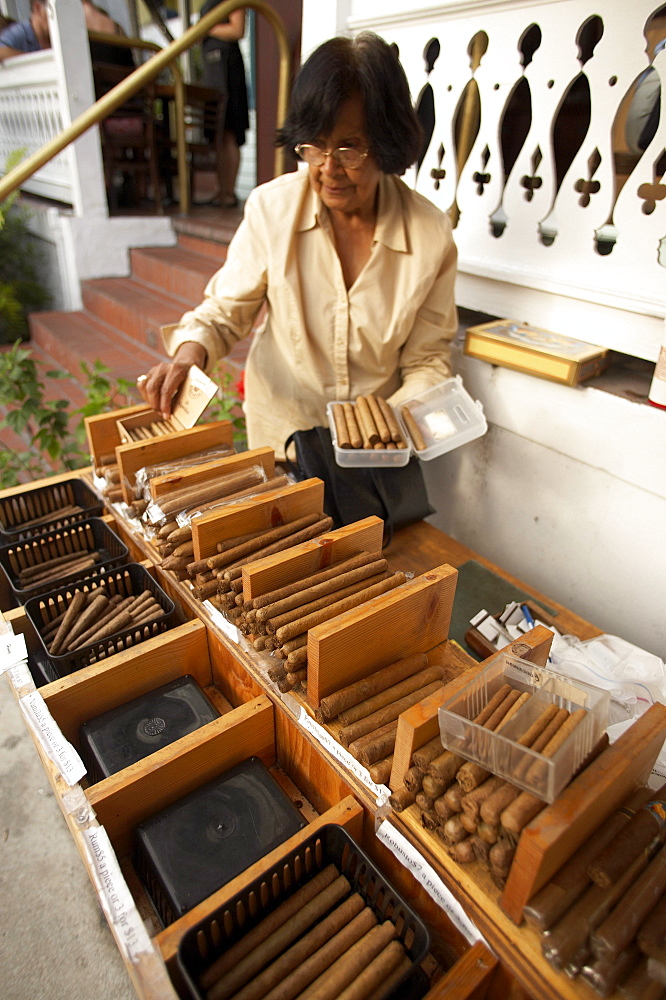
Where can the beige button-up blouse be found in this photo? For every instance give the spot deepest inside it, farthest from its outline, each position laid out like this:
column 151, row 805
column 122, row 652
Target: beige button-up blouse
column 388, row 334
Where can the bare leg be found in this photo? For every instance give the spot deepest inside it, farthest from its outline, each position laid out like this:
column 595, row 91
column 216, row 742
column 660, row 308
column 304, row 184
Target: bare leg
column 227, row 165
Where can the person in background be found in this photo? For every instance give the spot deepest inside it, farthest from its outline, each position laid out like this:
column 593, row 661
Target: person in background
column 26, row 36
column 224, row 71
column 356, row 270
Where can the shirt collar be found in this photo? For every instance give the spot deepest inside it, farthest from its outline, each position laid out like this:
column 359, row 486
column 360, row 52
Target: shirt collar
column 390, row 229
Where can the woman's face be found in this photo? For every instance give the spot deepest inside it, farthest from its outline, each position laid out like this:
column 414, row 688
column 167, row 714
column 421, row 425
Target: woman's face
column 341, row 189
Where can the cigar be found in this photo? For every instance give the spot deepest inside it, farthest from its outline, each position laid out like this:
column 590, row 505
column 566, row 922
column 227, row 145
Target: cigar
column 366, row 424
column 571, row 880
column 413, row 779
column 401, row 799
column 352, row 963
column 82, row 562
column 319, row 617
column 274, row 934
column 79, row 600
column 297, row 967
column 379, row 744
column 388, row 713
column 427, row 753
column 635, row 837
column 413, row 428
column 232, row 555
column 50, row 564
column 374, row 975
column 331, row 706
column 316, row 529
column 307, row 594
column 273, row 625
column 639, row 984
column 566, row 945
column 341, row 429
column 94, row 610
column 619, row 928
column 177, row 500
column 392, row 980
column 425, row 802
column 463, row 851
column 433, row 786
column 321, row 576
column 352, row 426
column 369, row 706
column 378, row 417
column 381, row 771
column 650, row 937
column 472, row 801
column 604, row 974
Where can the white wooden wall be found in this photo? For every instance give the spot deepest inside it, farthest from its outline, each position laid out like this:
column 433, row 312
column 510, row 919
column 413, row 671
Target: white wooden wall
column 567, row 490
column 545, row 266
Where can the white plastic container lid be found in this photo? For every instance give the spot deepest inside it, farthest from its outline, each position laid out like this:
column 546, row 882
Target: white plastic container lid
column 446, row 416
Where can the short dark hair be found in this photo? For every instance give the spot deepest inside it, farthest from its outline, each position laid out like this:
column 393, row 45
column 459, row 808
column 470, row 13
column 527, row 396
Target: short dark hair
column 338, row 69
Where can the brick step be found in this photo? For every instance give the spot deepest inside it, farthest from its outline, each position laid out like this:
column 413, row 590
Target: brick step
column 204, row 247
column 173, row 270
column 139, row 310
column 70, row 338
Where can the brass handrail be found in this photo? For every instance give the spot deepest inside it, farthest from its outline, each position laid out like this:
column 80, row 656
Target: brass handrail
column 143, row 75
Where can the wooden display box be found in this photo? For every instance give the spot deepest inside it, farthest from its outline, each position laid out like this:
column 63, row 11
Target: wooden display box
column 253, row 727
column 190, row 402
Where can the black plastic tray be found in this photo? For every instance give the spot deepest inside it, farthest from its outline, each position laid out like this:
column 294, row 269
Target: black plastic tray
column 83, row 536
column 199, row 843
column 136, row 729
column 17, row 510
column 206, row 940
column 129, row 580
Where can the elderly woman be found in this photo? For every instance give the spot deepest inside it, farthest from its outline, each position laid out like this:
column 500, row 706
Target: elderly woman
column 356, row 270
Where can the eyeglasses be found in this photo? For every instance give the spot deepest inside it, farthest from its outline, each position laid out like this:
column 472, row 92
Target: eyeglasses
column 346, row 156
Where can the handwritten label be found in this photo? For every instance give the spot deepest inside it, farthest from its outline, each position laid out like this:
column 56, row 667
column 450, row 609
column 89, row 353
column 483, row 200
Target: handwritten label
column 12, row 650
column 401, row 848
column 229, row 629
column 20, row 676
column 381, row 792
column 117, row 903
column 57, row 748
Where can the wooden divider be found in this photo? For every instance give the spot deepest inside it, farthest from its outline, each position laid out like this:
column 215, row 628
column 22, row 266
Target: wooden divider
column 99, row 688
column 263, row 512
column 309, row 557
column 102, row 431
column 413, row 618
column 127, row 798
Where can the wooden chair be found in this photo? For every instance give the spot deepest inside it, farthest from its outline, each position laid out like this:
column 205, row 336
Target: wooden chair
column 129, row 135
column 201, row 118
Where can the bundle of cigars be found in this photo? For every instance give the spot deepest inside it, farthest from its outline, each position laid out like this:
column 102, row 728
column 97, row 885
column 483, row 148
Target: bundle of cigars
column 92, row 616
column 279, row 620
column 323, row 941
column 603, row 915
column 479, row 816
column 34, row 511
column 370, row 423
column 363, row 716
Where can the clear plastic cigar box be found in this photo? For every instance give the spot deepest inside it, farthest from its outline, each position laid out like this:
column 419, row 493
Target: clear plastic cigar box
column 433, row 422
column 499, row 751
column 190, row 402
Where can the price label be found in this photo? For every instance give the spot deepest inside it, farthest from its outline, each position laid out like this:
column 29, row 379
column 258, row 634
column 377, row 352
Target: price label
column 57, row 748
column 12, row 650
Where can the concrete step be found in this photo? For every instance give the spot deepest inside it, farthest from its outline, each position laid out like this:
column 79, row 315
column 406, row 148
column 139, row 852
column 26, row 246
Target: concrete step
column 174, row 270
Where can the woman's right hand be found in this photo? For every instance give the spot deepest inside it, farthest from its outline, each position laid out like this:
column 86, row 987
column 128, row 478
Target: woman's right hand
column 159, row 386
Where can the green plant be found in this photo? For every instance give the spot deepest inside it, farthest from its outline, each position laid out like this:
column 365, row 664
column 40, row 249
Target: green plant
column 227, row 404
column 21, row 263
column 54, row 434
